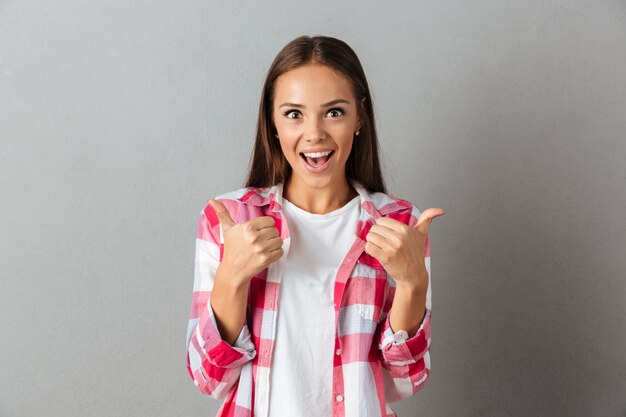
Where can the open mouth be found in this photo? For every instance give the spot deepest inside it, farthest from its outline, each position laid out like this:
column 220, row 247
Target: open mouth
column 317, row 162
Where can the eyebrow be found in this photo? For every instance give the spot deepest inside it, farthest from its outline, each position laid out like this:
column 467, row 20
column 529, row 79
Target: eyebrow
column 330, row 103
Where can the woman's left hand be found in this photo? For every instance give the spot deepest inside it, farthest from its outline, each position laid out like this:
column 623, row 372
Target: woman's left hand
column 400, row 248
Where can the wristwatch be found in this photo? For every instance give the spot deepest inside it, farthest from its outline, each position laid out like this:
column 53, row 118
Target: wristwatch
column 400, row 337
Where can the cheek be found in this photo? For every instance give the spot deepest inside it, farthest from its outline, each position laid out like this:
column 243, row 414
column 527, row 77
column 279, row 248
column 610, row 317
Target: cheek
column 344, row 131
column 288, row 149
column 347, row 147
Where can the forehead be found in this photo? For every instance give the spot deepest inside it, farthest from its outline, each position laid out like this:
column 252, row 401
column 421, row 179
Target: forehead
column 313, row 83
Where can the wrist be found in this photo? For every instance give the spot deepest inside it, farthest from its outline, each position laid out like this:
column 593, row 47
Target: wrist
column 417, row 282
column 412, row 287
column 230, row 279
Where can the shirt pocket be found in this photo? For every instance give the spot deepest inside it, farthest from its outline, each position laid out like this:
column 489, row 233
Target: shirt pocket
column 369, row 284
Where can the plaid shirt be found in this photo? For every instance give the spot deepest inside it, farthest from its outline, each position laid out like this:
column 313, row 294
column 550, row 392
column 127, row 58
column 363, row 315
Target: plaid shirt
column 372, row 366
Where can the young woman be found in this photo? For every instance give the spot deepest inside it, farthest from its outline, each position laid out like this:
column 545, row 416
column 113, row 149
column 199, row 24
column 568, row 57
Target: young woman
column 312, row 285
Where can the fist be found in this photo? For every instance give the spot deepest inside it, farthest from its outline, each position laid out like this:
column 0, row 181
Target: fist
column 401, row 249
column 248, row 247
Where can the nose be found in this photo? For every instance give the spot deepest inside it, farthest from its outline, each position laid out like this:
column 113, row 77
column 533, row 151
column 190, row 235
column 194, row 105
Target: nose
column 315, row 130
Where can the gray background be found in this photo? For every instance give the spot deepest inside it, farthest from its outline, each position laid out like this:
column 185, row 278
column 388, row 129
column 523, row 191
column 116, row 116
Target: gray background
column 118, row 120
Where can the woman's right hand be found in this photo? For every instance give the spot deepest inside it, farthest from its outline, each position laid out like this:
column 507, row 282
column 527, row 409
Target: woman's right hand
column 248, row 247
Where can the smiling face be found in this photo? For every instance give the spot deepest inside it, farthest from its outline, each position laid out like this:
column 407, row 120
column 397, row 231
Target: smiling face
column 314, row 109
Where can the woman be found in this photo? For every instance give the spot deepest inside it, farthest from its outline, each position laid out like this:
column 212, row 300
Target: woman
column 312, row 289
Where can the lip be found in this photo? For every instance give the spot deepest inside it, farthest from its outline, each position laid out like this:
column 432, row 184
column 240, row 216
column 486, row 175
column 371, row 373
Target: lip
column 320, row 169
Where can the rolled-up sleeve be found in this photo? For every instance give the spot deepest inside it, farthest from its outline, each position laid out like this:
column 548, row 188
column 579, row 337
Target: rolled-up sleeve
column 406, row 361
column 213, row 364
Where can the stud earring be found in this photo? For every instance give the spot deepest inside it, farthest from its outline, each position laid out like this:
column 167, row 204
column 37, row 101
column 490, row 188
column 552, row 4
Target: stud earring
column 276, row 136
column 357, row 132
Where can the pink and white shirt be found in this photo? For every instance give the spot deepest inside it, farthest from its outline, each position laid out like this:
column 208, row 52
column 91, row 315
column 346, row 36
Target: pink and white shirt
column 372, row 365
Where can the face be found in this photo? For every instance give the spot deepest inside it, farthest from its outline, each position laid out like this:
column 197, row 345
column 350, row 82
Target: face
column 314, row 109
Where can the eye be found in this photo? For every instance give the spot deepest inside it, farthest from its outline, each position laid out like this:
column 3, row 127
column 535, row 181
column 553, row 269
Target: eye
column 288, row 112
column 336, row 110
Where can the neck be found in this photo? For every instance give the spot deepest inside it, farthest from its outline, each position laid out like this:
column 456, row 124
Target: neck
column 319, row 200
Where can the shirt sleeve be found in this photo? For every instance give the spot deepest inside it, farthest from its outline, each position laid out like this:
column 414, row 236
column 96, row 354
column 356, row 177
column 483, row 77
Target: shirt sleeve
column 213, row 364
column 406, row 361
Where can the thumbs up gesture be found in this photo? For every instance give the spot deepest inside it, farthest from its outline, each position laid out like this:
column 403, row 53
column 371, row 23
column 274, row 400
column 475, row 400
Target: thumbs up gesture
column 400, row 248
column 248, row 247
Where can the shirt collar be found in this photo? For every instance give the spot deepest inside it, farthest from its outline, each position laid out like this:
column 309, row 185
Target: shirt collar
column 273, row 196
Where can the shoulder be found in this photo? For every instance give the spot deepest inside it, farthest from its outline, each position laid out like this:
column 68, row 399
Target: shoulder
column 233, row 195
column 396, row 208
column 234, row 201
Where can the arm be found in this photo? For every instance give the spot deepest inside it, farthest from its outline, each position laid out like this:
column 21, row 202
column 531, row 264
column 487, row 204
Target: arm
column 213, row 364
column 405, row 350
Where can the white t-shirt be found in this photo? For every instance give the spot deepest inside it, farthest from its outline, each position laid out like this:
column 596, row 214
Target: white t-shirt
column 302, row 362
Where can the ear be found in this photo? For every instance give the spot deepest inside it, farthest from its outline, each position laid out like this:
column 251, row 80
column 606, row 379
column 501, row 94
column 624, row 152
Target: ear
column 359, row 123
column 363, row 106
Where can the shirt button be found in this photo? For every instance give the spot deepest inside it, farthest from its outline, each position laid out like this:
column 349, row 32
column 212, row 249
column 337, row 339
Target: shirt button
column 339, row 398
column 338, row 352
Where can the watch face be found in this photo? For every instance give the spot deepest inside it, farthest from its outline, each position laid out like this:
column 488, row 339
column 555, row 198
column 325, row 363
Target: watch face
column 400, row 336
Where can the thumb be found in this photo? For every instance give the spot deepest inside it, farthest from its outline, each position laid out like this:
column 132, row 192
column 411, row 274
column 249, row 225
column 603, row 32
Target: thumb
column 222, row 214
column 426, row 217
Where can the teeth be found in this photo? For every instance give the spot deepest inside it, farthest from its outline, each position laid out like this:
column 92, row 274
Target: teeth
column 316, row 154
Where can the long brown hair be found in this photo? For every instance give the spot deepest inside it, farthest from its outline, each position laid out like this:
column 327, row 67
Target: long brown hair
column 268, row 164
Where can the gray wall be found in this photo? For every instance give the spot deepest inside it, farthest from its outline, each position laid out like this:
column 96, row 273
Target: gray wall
column 118, row 120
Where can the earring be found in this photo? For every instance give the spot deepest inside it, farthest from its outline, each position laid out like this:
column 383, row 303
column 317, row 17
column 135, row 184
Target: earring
column 276, row 136
column 357, row 132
